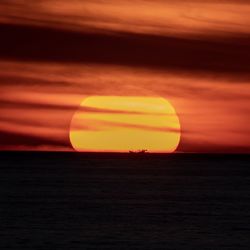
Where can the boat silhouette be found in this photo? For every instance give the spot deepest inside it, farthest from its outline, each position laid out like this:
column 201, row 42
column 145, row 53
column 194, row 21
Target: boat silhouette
column 141, row 151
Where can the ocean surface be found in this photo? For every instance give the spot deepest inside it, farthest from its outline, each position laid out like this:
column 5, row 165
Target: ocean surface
column 124, row 201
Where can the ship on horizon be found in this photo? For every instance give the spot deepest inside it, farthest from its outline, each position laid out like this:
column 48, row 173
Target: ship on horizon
column 140, row 151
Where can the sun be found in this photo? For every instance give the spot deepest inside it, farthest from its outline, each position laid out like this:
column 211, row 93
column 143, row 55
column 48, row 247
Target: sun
column 125, row 123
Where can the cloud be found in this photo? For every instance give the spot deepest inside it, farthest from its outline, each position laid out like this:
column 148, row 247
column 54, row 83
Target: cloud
column 148, row 17
column 210, row 109
column 213, row 55
column 13, row 140
column 99, row 124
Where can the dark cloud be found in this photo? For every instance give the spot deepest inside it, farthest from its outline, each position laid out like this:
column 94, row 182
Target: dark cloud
column 96, row 125
column 15, row 139
column 63, row 107
column 229, row 56
column 22, row 105
column 201, row 147
column 117, row 111
column 9, row 79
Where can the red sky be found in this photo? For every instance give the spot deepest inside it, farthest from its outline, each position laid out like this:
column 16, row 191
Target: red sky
column 195, row 54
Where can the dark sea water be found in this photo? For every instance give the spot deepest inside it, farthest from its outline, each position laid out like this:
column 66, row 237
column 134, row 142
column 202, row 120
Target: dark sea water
column 124, row 201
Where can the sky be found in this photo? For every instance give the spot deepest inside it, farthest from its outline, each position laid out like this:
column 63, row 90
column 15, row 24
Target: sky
column 193, row 53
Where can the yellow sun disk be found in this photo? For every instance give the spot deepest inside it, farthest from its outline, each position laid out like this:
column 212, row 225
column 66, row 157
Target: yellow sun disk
column 120, row 124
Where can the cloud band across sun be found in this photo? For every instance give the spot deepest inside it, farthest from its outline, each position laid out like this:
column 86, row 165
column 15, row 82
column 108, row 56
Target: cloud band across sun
column 128, row 123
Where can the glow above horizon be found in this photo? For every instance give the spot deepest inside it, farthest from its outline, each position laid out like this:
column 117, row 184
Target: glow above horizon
column 121, row 124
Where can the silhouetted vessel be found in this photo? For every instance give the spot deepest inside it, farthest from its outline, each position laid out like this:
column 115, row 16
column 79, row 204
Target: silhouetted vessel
column 142, row 151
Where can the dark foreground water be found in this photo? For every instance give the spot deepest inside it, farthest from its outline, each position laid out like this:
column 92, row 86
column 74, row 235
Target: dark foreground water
column 91, row 201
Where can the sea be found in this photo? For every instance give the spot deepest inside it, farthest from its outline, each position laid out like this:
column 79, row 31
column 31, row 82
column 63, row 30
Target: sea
column 70, row 200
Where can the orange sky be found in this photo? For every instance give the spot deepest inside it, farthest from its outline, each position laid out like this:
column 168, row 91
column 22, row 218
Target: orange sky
column 196, row 54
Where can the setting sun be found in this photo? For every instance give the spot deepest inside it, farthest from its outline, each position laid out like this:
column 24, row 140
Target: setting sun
column 121, row 124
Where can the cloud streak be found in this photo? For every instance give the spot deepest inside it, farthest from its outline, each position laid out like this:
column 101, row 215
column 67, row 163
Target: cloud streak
column 98, row 125
column 177, row 18
column 213, row 55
